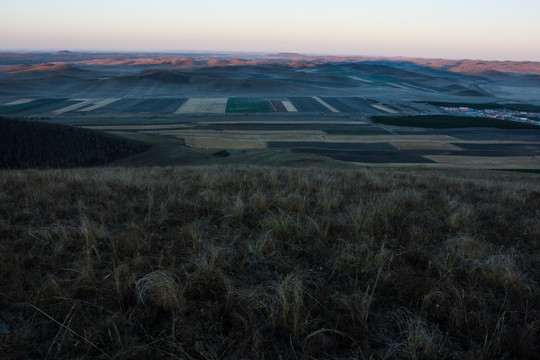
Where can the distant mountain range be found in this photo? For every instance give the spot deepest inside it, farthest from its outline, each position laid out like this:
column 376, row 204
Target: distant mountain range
column 22, row 62
column 460, row 66
column 67, row 74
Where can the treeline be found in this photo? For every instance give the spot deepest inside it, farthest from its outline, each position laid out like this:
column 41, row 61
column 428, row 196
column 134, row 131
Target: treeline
column 450, row 122
column 36, row 144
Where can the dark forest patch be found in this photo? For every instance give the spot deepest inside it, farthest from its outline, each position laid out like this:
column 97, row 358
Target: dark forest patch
column 34, row 144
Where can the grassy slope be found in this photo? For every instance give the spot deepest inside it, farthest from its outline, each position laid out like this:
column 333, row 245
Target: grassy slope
column 450, row 121
column 240, row 262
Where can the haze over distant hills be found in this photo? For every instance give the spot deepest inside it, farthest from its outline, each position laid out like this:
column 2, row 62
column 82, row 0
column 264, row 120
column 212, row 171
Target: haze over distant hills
column 147, row 75
column 466, row 66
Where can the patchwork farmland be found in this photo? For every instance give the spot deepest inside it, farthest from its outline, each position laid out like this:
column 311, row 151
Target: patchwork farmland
column 311, row 104
column 316, row 127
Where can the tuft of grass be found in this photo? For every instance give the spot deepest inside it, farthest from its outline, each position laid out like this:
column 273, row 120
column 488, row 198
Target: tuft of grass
column 287, row 308
column 159, row 288
column 418, row 340
column 502, row 270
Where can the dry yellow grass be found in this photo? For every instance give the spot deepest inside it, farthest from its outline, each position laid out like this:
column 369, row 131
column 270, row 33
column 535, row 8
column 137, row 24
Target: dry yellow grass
column 159, row 288
column 258, row 262
column 218, row 143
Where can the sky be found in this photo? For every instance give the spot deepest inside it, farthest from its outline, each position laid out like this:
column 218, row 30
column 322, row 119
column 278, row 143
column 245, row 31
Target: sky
column 456, row 29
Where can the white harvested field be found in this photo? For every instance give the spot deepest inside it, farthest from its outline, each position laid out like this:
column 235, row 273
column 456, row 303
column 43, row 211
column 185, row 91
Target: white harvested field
column 72, row 107
column 360, row 79
column 19, row 102
column 289, row 106
column 203, row 106
column 99, row 104
column 384, row 108
column 325, row 104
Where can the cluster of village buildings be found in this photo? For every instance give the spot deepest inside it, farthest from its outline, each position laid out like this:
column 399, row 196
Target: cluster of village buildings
column 502, row 114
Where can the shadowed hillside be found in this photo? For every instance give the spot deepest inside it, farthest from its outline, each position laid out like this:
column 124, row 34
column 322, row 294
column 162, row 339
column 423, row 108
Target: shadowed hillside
column 27, row 144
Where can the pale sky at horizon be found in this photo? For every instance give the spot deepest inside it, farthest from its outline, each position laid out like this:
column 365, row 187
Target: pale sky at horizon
column 473, row 29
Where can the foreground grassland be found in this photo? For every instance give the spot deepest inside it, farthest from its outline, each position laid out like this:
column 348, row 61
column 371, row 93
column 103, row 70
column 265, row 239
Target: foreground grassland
column 240, row 262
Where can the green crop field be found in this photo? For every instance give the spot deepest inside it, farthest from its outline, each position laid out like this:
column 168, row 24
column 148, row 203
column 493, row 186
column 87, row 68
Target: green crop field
column 6, row 109
column 246, row 105
column 449, row 121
